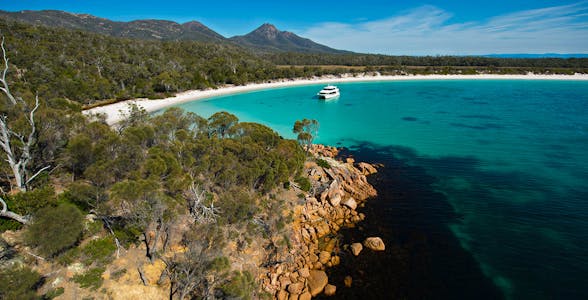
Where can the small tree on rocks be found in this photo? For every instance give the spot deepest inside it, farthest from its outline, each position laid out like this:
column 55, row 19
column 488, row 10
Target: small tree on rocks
column 307, row 130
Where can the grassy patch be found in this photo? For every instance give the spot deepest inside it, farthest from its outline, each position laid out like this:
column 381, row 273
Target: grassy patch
column 98, row 251
column 91, row 279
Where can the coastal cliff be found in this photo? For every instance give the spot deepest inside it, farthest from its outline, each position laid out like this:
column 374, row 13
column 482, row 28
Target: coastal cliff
column 337, row 189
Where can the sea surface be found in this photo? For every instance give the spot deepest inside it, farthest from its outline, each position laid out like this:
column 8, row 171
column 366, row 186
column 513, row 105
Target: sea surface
column 484, row 189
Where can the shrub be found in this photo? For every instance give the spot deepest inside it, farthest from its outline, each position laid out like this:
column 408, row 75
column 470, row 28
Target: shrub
column 303, row 183
column 323, row 163
column 220, row 264
column 241, row 286
column 91, row 279
column 19, row 283
column 54, row 293
column 54, row 229
column 237, row 205
column 98, row 251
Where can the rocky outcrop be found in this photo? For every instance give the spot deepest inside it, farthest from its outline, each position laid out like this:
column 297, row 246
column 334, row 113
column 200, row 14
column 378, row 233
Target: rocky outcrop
column 337, row 192
column 374, row 243
column 350, row 202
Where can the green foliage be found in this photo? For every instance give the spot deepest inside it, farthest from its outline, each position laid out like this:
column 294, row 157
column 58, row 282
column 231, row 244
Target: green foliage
column 18, row 283
column 127, row 234
column 69, row 256
column 51, row 294
column 236, row 206
column 220, row 264
column 54, row 229
column 80, row 154
column 30, row 202
column 221, row 123
column 303, row 183
column 307, row 130
column 323, row 163
column 98, row 251
column 89, row 67
column 90, row 279
column 241, row 286
column 83, row 195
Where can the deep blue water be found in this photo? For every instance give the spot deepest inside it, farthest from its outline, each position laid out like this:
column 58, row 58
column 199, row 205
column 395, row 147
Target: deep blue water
column 485, row 186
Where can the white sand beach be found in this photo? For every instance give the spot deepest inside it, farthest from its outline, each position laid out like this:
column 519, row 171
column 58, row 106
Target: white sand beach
column 116, row 111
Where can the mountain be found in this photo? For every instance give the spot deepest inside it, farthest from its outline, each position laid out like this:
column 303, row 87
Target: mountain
column 268, row 38
column 141, row 29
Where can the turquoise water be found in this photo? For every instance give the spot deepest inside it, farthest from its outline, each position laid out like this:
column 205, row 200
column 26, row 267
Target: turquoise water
column 510, row 158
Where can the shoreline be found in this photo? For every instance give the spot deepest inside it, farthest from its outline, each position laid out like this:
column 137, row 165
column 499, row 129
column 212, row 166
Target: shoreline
column 115, row 112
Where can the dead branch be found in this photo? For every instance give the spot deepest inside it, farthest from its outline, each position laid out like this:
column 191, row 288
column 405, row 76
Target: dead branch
column 198, row 209
column 12, row 215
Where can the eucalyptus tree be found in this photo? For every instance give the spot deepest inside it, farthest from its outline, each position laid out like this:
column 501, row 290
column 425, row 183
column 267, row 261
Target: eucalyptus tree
column 307, row 130
column 221, row 123
column 17, row 140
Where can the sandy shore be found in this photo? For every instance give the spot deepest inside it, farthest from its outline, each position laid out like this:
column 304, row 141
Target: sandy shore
column 116, row 111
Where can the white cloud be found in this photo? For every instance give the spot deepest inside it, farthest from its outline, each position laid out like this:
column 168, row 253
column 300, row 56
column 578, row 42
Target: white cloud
column 428, row 30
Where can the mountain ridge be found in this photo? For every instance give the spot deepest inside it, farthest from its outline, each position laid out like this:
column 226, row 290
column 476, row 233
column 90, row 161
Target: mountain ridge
column 140, row 29
column 266, row 38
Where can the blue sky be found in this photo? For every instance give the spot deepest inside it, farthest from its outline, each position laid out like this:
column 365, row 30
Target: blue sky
column 375, row 26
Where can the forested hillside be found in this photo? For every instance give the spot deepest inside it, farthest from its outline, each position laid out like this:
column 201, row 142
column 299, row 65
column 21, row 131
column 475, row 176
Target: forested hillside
column 85, row 67
column 139, row 29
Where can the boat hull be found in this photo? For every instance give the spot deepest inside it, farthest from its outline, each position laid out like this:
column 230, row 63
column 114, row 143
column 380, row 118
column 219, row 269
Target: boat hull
column 328, row 97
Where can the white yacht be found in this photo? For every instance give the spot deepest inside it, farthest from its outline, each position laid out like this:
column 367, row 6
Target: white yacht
column 329, row 92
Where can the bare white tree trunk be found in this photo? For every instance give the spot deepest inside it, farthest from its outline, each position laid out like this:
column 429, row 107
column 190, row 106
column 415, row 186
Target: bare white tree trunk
column 5, row 88
column 18, row 156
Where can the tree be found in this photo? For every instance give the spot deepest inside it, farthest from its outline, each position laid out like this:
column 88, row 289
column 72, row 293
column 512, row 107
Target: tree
column 19, row 282
column 197, row 272
column 17, row 144
column 55, row 229
column 144, row 206
column 221, row 122
column 307, row 130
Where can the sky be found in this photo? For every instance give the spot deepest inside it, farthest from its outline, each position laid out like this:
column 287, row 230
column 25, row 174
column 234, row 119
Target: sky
column 435, row 27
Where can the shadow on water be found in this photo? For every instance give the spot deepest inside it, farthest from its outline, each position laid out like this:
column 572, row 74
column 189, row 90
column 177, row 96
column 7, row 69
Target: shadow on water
column 423, row 259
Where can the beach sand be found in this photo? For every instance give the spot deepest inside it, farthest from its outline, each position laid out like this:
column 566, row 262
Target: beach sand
column 117, row 111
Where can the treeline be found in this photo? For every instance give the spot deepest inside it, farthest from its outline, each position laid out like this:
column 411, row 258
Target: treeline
column 423, row 61
column 85, row 67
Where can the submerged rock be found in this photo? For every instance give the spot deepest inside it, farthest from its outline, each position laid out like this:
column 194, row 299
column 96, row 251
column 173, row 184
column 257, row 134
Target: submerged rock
column 374, row 243
column 356, row 248
column 348, row 281
column 330, row 290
